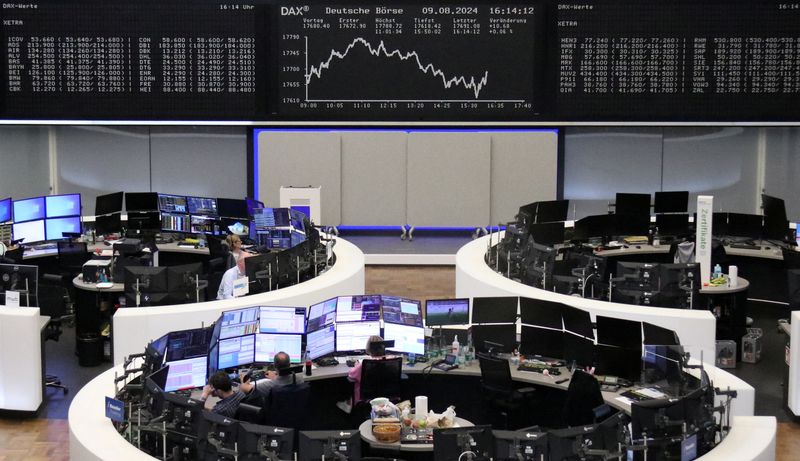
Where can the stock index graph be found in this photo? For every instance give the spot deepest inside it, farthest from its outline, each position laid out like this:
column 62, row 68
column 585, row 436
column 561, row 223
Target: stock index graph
column 477, row 61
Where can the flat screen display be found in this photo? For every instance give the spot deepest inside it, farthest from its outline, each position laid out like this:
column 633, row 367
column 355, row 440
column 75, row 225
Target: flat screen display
column 321, row 342
column 671, row 202
column 57, row 206
column 235, row 352
column 353, row 336
column 55, row 227
column 273, row 319
column 238, row 323
column 186, row 374
column 232, row 208
column 267, row 345
column 29, row 209
column 321, row 314
column 31, row 231
column 407, row 339
column 5, row 210
column 172, row 222
column 401, row 311
column 447, row 312
column 202, row 206
column 494, row 309
column 172, row 203
column 109, row 203
column 358, row 308
column 141, row 201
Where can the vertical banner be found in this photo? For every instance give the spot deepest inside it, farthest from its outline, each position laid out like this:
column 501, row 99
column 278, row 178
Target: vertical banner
column 705, row 207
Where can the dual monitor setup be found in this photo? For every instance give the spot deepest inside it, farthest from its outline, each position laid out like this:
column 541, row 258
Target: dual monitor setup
column 38, row 219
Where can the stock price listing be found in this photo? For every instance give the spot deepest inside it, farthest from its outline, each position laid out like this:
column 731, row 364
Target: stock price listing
column 408, row 62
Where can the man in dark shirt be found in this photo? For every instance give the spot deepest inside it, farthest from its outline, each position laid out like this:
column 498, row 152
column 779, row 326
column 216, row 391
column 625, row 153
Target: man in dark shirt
column 219, row 385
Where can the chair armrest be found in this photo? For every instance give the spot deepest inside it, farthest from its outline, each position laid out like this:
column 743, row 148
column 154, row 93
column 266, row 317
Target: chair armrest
column 526, row 390
column 53, row 278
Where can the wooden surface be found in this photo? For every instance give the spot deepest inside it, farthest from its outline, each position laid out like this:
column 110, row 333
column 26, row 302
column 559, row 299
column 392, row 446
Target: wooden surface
column 48, row 439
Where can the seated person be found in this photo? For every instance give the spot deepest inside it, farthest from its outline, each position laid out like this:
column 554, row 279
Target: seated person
column 229, row 277
column 281, row 377
column 376, row 350
column 219, row 385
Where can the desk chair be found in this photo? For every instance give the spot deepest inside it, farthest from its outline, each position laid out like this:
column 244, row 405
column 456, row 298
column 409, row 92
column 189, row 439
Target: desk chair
column 584, row 401
column 793, row 287
column 13, row 256
column 380, row 377
column 791, row 258
column 249, row 413
column 71, row 257
column 220, row 260
column 288, row 406
column 52, row 303
column 498, row 387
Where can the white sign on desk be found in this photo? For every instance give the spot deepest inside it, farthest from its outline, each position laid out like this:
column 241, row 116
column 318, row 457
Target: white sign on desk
column 12, row 298
column 241, row 286
column 705, row 207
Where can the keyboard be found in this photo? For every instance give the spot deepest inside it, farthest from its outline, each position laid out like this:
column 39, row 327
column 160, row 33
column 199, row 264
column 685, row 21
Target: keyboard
column 745, row 246
column 327, row 362
column 530, row 367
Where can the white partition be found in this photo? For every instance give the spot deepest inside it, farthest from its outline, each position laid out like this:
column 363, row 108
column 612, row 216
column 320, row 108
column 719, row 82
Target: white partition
column 752, row 438
column 20, row 358
column 135, row 327
column 794, row 364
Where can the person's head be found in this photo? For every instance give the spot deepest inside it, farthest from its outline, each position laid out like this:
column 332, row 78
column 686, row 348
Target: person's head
column 234, row 242
column 282, row 361
column 375, row 346
column 221, row 382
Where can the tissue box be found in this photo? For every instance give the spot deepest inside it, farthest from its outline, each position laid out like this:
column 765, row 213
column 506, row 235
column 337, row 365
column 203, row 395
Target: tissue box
column 751, row 345
column 726, row 354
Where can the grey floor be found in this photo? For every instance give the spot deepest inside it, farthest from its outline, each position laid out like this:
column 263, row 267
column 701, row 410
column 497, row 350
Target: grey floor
column 424, row 242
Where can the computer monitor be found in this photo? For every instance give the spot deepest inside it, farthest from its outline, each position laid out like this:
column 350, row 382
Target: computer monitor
column 504, row 335
column 224, row 431
column 639, row 275
column 56, row 227
column 257, row 442
column 20, row 277
column 538, row 264
column 321, row 314
column 238, row 322
column 636, row 296
column 5, row 210
column 269, row 344
column 352, row 336
column 632, row 204
column 266, row 218
column 596, row 226
column 450, row 444
column 186, row 374
column 540, row 313
column 183, row 283
column 520, row 446
column 253, row 204
column 296, row 219
column 57, row 206
column 358, row 308
column 407, row 339
column 343, row 445
column 236, row 352
column 236, row 226
column 141, row 201
column 233, row 208
column 173, row 222
column 146, row 279
column 401, row 311
column 155, row 353
column 109, row 224
column 187, row 344
column 141, row 221
column 657, row 418
column 618, row 361
column 108, row 203
column 202, row 206
column 672, row 224
column 578, row 349
column 774, row 207
column 446, row 312
column 569, row 443
column 671, row 202
column 578, row 321
column 30, row 231
column 542, row 342
column 551, row 233
column 613, row 331
column 259, row 269
column 551, row 211
column 719, row 224
column 154, row 392
column 28, row 209
column 494, row 309
column 745, row 225
column 679, row 277
column 207, row 225
column 776, row 229
column 278, row 319
column 632, row 224
column 664, row 363
column 654, row 334
column 321, row 342
column 168, row 203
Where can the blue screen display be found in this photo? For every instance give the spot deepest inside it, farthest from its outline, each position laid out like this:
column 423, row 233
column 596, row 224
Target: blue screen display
column 56, row 226
column 5, row 210
column 29, row 209
column 63, row 205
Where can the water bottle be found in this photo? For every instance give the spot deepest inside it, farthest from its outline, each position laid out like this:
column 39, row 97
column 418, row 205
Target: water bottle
column 307, row 360
column 717, row 271
column 456, row 346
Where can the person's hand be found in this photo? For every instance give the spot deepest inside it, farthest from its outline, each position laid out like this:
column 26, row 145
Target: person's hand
column 207, row 391
column 272, row 374
column 244, row 377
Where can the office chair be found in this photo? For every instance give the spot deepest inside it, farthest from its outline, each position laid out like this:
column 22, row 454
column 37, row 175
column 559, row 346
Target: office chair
column 249, row 413
column 52, row 303
column 498, row 387
column 71, row 258
column 288, row 406
column 13, row 256
column 381, row 378
column 583, row 400
column 791, row 258
column 793, row 287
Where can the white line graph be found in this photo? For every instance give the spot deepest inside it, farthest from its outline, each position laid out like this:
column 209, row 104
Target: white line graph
column 473, row 84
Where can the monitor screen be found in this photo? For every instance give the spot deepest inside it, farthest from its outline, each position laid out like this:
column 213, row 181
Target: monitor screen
column 774, row 207
column 745, row 225
column 31, row 231
column 654, row 334
column 505, row 335
column 203, row 206
column 358, row 308
column 232, row 208
column 274, row 319
column 446, row 312
column 671, row 202
column 145, row 279
column 203, row 225
column 401, row 311
column 238, row 323
column 632, row 204
column 407, row 339
column 109, row 224
column 19, row 277
column 5, row 210
column 187, row 344
column 186, row 374
column 172, row 203
column 619, row 332
column 353, row 336
column 578, row 321
column 254, row 439
column 144, row 220
column 551, row 211
column 672, row 224
column 57, row 206
column 55, row 227
column 175, row 222
column 494, row 309
column 267, row 345
column 109, row 203
column 551, row 233
column 235, row 352
column 235, row 226
column 542, row 341
column 29, row 209
column 317, row 445
column 266, row 218
column 141, row 201
column 296, row 220
column 321, row 314
column 448, row 444
column 525, row 445
column 321, row 342
column 540, row 313
column 596, row 226
column 252, row 205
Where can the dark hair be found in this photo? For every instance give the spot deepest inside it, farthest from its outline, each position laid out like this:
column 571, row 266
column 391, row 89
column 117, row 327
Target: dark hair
column 220, row 381
column 282, row 361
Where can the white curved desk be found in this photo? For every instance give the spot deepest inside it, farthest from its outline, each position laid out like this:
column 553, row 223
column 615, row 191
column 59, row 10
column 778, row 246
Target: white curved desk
column 134, row 327
column 21, row 358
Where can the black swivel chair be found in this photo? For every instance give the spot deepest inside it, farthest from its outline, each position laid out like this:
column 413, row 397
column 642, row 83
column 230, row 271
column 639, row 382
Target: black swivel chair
column 53, row 303
column 13, row 256
column 288, row 406
column 584, row 400
column 498, row 388
column 380, row 377
column 71, row 258
column 791, row 258
column 793, row 287
column 220, row 260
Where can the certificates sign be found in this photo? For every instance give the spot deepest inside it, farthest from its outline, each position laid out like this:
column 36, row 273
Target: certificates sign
column 12, row 298
column 705, row 206
column 241, row 286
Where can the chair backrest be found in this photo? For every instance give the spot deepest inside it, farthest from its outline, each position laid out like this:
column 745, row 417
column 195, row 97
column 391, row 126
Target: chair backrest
column 15, row 256
column 583, row 396
column 288, row 406
column 495, row 374
column 791, row 258
column 72, row 255
column 249, row 413
column 381, row 378
column 793, row 287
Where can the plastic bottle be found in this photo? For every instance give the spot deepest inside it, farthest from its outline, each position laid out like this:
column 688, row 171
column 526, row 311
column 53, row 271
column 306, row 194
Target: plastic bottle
column 307, row 360
column 456, row 346
column 717, row 271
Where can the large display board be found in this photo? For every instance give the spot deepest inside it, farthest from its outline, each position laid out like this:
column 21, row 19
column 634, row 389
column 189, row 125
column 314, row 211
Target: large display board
column 271, row 60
